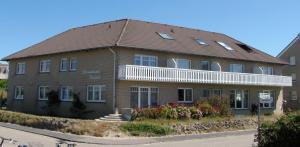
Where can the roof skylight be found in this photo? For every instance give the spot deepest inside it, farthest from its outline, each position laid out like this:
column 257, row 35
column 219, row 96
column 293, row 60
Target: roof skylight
column 165, row 36
column 225, row 45
column 201, row 41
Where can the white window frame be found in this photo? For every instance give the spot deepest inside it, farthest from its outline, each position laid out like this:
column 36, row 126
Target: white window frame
column 184, row 95
column 61, row 64
column 71, row 64
column 18, row 90
column 226, row 46
column 294, row 95
column 149, row 94
column 235, row 65
column 101, row 90
column 269, row 70
column 274, row 99
column 176, row 60
column 142, row 57
column 21, row 68
column 293, row 77
column 44, row 92
column 292, row 60
column 205, row 61
column 45, row 66
column 242, row 98
column 69, row 97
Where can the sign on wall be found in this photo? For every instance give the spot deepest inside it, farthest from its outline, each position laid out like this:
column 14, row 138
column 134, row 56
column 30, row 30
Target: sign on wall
column 265, row 97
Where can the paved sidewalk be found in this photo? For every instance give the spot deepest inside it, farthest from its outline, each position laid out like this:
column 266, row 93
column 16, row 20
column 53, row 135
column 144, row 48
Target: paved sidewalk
column 123, row 141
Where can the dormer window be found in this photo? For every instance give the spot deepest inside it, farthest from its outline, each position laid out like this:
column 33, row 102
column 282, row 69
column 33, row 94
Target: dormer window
column 201, row 41
column 225, row 45
column 165, row 36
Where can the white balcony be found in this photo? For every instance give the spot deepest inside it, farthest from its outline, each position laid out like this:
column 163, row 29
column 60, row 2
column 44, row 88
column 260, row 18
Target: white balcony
column 162, row 74
column 3, row 76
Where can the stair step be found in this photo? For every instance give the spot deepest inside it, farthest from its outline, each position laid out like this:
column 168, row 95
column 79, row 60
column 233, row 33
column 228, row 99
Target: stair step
column 106, row 119
column 115, row 115
column 112, row 116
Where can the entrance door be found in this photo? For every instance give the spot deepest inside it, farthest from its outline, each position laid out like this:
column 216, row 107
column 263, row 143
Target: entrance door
column 143, row 97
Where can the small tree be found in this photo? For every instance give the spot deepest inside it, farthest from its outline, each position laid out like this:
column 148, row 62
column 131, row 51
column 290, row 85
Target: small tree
column 53, row 102
column 78, row 107
column 3, row 97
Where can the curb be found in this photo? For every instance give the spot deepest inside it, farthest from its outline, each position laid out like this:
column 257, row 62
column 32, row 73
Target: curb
column 122, row 141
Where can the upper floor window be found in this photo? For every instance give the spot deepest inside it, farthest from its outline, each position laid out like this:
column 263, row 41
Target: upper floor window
column 185, row 94
column 292, row 60
column 45, row 66
column 73, row 64
column 145, row 60
column 165, row 36
column 216, row 66
column 43, row 91
column 236, row 68
column 20, row 68
column 179, row 63
column 267, row 70
column 201, row 41
column 204, row 65
column 66, row 93
column 19, row 92
column 64, row 64
column 95, row 93
column 225, row 45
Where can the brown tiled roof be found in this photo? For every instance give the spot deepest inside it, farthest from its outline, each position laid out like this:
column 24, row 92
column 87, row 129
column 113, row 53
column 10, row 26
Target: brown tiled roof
column 143, row 35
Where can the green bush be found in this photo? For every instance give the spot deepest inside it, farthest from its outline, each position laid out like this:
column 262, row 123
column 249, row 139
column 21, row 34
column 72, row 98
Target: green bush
column 169, row 112
column 283, row 133
column 206, row 108
column 152, row 113
column 221, row 105
column 146, row 129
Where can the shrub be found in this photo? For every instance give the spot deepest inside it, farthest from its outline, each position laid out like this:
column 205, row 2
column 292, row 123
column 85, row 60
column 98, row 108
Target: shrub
column 78, row 108
column 169, row 112
column 146, row 129
column 254, row 109
column 195, row 113
column 183, row 112
column 52, row 103
column 221, row 105
column 152, row 113
column 284, row 132
column 206, row 108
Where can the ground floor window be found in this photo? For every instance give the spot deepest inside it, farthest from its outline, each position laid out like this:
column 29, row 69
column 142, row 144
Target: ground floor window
column 142, row 97
column 43, row 90
column 66, row 93
column 239, row 99
column 294, row 95
column 206, row 93
column 269, row 104
column 95, row 93
column 185, row 94
column 19, row 92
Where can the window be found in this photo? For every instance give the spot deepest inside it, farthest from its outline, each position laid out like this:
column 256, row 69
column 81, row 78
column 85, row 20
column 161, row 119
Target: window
column 66, row 93
column 19, row 92
column 45, row 66
column 267, row 70
column 216, row 66
column 239, row 99
column 292, row 60
column 204, row 65
column 143, row 97
column 165, row 36
column 95, row 93
column 179, row 63
column 73, row 64
column 145, row 60
column 236, row 68
column 294, row 95
column 270, row 104
column 63, row 64
column 201, row 41
column 293, row 77
column 43, row 91
column 216, row 92
column 185, row 95
column 20, row 68
column 225, row 45
column 205, row 93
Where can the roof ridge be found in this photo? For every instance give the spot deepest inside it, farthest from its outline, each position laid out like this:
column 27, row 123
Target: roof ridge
column 289, row 45
column 100, row 23
column 122, row 32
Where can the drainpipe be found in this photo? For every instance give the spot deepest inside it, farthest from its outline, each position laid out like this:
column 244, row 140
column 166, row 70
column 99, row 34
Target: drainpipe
column 115, row 108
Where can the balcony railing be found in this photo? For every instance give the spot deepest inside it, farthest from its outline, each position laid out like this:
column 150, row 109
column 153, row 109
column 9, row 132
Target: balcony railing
column 163, row 74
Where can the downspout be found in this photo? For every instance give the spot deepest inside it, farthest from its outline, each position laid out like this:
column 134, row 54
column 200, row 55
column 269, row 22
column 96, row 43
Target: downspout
column 115, row 108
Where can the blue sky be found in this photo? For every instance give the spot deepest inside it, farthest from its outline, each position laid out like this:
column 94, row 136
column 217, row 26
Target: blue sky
column 268, row 25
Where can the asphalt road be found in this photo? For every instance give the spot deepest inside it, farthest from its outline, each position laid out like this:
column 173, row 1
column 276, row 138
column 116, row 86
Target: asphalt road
column 35, row 140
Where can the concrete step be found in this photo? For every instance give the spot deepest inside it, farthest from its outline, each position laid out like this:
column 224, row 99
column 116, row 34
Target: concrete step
column 112, row 117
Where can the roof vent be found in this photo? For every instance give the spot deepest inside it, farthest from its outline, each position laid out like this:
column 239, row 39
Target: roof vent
column 172, row 31
column 245, row 47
